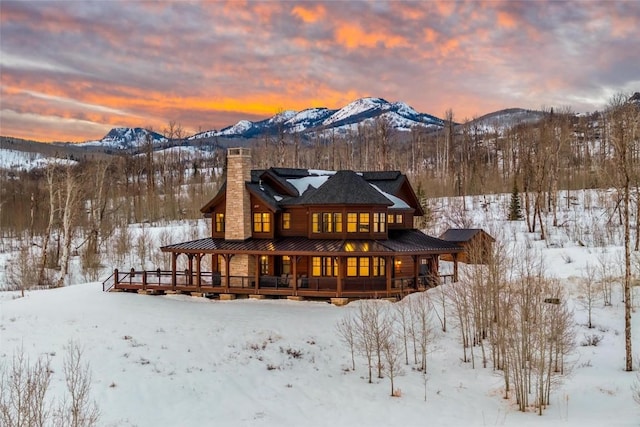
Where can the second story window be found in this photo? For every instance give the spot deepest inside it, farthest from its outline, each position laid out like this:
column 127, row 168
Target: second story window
column 379, row 222
column 219, row 223
column 327, row 222
column 363, row 222
column 352, row 222
column 286, row 221
column 262, row 222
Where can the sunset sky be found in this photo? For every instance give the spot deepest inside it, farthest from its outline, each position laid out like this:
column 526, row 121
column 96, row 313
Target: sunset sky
column 72, row 70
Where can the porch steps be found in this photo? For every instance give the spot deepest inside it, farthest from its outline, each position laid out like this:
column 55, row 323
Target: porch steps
column 339, row 302
column 256, row 296
column 227, row 297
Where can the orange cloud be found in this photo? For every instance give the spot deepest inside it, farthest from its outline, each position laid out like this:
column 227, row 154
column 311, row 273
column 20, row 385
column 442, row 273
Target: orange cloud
column 352, row 37
column 430, row 35
column 309, row 15
column 506, row 20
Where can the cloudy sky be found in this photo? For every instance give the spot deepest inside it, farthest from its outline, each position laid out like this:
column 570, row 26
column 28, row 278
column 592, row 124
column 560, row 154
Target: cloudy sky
column 72, row 70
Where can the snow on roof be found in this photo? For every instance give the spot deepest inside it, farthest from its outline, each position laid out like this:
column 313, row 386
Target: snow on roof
column 398, row 203
column 302, row 184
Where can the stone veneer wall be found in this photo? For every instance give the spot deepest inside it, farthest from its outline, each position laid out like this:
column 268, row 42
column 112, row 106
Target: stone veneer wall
column 238, row 212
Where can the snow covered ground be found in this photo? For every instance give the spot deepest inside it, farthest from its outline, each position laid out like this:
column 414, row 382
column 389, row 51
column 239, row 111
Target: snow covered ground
column 183, row 361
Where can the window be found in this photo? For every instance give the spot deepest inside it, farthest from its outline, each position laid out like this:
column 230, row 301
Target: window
column 329, row 266
column 327, row 223
column 316, row 264
column 352, row 266
column 324, row 266
column 361, row 266
column 262, row 222
column 352, row 222
column 391, row 217
column 399, row 219
column 286, row 221
column 364, row 266
column 379, row 222
column 378, row 266
column 220, row 223
column 286, row 264
column 264, row 264
column 363, row 222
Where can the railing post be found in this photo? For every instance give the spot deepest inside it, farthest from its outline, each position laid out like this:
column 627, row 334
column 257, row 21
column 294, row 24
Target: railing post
column 115, row 277
column 131, row 274
column 159, row 277
column 144, row 280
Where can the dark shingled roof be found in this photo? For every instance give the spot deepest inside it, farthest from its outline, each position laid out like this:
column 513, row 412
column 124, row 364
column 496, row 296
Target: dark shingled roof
column 407, row 241
column 461, row 235
column 344, row 187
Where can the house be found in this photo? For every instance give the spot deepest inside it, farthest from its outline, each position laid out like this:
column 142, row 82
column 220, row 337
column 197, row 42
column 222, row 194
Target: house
column 304, row 233
column 475, row 242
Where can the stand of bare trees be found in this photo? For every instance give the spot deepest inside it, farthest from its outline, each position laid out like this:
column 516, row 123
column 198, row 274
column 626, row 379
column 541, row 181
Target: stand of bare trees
column 24, row 392
column 384, row 335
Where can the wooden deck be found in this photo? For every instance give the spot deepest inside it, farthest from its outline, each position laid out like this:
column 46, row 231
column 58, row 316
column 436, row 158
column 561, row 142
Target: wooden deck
column 212, row 285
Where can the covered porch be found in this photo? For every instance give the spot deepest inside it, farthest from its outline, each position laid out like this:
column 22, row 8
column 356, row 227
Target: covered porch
column 292, row 267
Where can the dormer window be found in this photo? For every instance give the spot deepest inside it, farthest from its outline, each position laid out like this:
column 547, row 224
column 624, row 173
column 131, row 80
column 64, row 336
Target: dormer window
column 262, row 222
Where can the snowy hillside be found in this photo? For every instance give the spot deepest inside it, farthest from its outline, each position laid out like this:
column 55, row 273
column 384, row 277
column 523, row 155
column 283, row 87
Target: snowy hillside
column 126, row 138
column 185, row 361
column 26, row 161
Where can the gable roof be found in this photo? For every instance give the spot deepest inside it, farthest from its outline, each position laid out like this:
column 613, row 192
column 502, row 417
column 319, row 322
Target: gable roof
column 278, row 187
column 462, row 235
column 344, row 188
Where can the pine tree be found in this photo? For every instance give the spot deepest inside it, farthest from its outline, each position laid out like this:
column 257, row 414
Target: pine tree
column 515, row 211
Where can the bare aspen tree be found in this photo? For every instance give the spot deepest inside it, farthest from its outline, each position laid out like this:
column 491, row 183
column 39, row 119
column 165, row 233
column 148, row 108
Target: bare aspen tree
column 421, row 308
column 347, row 331
column 379, row 327
column 589, row 292
column 51, row 193
column 79, row 410
column 624, row 121
column 20, row 274
column 23, row 390
column 392, row 358
column 403, row 318
column 70, row 207
column 365, row 341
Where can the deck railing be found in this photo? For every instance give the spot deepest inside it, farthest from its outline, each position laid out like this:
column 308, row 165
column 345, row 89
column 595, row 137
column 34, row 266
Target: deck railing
column 154, row 279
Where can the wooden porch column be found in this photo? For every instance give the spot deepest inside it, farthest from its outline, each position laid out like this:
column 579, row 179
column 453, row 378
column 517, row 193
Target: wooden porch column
column 256, row 274
column 416, row 270
column 339, row 281
column 174, row 262
column 455, row 267
column 190, row 279
column 227, row 272
column 388, row 266
column 295, row 274
column 198, row 266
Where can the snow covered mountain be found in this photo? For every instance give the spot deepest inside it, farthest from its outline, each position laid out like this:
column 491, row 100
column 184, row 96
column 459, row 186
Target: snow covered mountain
column 317, row 120
column 126, row 139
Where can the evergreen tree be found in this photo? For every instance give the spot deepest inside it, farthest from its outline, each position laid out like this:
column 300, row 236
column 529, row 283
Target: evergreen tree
column 515, row 211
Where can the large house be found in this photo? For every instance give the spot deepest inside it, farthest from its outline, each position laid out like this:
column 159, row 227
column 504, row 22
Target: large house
column 304, row 233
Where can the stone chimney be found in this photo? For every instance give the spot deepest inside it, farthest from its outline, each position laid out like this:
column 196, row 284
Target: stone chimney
column 238, row 212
